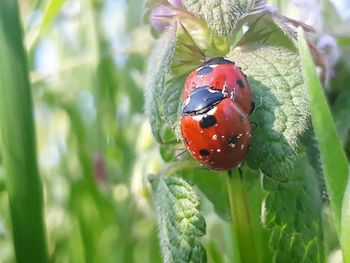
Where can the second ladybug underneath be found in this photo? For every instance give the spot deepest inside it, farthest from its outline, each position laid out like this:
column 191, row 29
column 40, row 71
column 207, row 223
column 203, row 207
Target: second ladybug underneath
column 215, row 124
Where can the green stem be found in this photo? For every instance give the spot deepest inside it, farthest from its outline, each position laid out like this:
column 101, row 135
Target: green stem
column 345, row 225
column 18, row 141
column 241, row 222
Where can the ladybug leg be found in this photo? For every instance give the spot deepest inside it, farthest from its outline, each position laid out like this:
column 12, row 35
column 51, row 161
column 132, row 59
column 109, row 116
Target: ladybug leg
column 180, row 153
column 224, row 91
column 229, row 172
column 252, row 107
column 254, row 123
column 232, row 96
column 240, row 172
column 257, row 106
column 166, row 142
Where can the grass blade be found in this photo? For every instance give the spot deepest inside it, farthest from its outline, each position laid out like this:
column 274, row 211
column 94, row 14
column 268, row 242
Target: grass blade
column 51, row 11
column 334, row 162
column 18, row 142
column 345, row 225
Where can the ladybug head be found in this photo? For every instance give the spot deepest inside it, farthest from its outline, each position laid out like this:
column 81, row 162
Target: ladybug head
column 216, row 61
column 201, row 100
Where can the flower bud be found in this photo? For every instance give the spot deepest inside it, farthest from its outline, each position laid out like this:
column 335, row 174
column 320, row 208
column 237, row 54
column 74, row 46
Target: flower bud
column 161, row 17
column 328, row 46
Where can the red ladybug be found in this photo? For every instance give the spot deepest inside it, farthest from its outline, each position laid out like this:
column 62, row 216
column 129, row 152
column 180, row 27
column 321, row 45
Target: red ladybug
column 215, row 127
column 222, row 74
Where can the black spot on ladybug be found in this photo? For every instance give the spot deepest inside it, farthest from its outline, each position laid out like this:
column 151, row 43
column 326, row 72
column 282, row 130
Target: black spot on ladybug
column 204, row 152
column 204, row 70
column 233, row 140
column 217, row 61
column 240, row 83
column 241, row 117
column 201, row 100
column 252, row 107
column 207, row 121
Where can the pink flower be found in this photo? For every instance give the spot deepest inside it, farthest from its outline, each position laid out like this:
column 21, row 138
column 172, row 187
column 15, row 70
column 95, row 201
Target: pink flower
column 328, row 46
column 161, row 17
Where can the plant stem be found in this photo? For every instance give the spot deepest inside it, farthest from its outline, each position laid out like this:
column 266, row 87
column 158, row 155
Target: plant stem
column 241, row 223
column 18, row 141
column 345, row 225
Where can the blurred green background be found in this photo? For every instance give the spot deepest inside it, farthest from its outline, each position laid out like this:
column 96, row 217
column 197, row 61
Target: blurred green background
column 94, row 144
column 95, row 148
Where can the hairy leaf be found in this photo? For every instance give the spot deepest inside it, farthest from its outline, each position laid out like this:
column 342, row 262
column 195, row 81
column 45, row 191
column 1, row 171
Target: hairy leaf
column 265, row 27
column 268, row 29
column 312, row 151
column 172, row 100
column 221, row 16
column 213, row 186
column 179, row 220
column 313, row 154
column 293, row 211
column 281, row 111
column 158, row 67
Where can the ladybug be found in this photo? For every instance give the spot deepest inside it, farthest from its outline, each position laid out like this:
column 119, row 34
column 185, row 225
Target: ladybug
column 222, row 74
column 215, row 125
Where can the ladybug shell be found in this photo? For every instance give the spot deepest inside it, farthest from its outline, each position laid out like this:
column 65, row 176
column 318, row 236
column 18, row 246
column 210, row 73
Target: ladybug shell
column 220, row 138
column 221, row 74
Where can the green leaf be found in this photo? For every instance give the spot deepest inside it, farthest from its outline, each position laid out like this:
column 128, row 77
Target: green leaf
column 293, row 211
column 51, row 11
column 213, row 186
column 17, row 136
column 281, row 112
column 268, row 29
column 180, row 222
column 158, row 67
column 216, row 255
column 172, row 100
column 313, row 154
column 341, row 113
column 221, row 16
column 335, row 165
column 345, row 225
